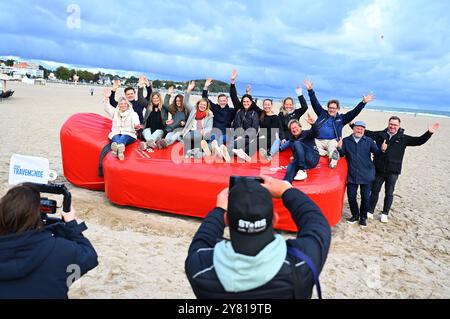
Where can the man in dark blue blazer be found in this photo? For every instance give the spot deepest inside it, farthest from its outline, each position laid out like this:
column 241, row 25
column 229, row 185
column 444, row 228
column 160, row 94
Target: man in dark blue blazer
column 358, row 150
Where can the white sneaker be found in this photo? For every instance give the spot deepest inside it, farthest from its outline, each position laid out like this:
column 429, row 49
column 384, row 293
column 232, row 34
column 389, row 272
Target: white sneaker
column 120, row 151
column 241, row 154
column 301, row 175
column 214, row 147
column 114, row 146
column 334, row 159
column 264, row 154
column 205, row 148
column 369, row 215
column 225, row 154
column 384, row 218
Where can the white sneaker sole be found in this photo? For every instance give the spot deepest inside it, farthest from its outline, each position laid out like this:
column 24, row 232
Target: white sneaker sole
column 226, row 156
column 120, row 152
column 205, row 148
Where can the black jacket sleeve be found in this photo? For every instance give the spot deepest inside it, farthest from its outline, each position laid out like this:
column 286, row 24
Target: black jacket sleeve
column 303, row 106
column 256, row 108
column 141, row 100
column 149, row 92
column 372, row 134
column 234, row 97
column 112, row 99
column 318, row 109
column 314, row 233
column 349, row 116
column 281, row 123
column 418, row 140
column 85, row 256
column 214, row 107
column 210, row 231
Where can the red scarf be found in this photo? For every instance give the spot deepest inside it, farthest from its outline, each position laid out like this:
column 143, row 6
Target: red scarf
column 200, row 115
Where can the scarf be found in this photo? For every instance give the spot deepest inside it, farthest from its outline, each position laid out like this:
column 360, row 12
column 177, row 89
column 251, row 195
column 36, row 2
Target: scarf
column 238, row 272
column 200, row 115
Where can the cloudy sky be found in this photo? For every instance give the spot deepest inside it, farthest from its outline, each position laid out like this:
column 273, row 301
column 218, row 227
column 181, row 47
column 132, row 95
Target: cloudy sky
column 398, row 49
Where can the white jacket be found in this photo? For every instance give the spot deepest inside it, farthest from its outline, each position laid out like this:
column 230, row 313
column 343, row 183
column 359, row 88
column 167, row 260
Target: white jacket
column 122, row 123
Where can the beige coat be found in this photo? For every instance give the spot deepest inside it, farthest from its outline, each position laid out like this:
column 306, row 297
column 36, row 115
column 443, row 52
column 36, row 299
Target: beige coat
column 122, row 123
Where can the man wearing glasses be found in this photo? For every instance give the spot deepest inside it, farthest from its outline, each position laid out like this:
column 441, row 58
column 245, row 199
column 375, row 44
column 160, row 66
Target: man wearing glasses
column 329, row 123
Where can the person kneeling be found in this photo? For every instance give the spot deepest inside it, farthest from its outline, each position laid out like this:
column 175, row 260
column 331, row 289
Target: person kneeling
column 306, row 155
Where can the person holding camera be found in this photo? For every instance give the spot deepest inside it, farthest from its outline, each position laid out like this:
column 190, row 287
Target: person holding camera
column 38, row 261
column 255, row 262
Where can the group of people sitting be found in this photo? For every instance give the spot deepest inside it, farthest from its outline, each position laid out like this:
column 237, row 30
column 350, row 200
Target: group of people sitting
column 222, row 131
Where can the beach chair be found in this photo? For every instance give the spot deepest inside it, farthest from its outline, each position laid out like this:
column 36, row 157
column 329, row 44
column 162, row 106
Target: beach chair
column 7, row 94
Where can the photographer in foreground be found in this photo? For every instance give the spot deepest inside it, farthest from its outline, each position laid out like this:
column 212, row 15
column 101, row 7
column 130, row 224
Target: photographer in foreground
column 256, row 262
column 38, row 261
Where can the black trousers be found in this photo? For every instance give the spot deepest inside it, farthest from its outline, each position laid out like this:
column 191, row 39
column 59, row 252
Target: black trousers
column 389, row 180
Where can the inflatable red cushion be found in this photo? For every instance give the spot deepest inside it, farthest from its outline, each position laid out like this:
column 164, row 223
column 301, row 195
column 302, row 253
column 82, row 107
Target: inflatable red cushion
column 164, row 181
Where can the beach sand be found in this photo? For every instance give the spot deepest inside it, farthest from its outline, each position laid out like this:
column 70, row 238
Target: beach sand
column 142, row 253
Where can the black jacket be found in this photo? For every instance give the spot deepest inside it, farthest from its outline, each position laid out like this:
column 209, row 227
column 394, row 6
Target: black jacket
column 37, row 263
column 390, row 162
column 285, row 133
column 313, row 238
column 223, row 117
column 138, row 105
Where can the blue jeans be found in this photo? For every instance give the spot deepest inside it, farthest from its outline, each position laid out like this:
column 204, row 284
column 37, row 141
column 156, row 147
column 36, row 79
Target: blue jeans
column 389, row 187
column 220, row 141
column 352, row 192
column 123, row 139
column 192, row 140
column 305, row 157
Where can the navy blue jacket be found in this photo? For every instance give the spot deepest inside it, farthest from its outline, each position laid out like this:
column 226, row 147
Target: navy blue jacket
column 307, row 137
column 313, row 239
column 339, row 121
column 390, row 162
column 223, row 117
column 35, row 264
column 361, row 169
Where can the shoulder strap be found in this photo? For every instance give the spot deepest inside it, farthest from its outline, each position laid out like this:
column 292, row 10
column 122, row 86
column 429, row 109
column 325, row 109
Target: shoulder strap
column 300, row 255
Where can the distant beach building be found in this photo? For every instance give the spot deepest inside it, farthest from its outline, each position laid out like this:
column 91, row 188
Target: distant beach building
column 22, row 69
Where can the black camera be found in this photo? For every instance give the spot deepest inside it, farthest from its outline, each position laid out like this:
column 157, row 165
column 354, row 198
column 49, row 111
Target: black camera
column 236, row 179
column 49, row 206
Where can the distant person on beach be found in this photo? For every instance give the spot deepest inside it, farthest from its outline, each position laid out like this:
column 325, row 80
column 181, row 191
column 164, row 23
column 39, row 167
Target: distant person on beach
column 388, row 165
column 223, row 118
column 130, row 94
column 304, row 150
column 37, row 261
column 358, row 150
column 329, row 123
column 125, row 122
column 256, row 263
column 92, row 91
column 245, row 124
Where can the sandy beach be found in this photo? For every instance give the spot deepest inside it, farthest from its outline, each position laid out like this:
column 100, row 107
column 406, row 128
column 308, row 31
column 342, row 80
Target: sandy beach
column 142, row 253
